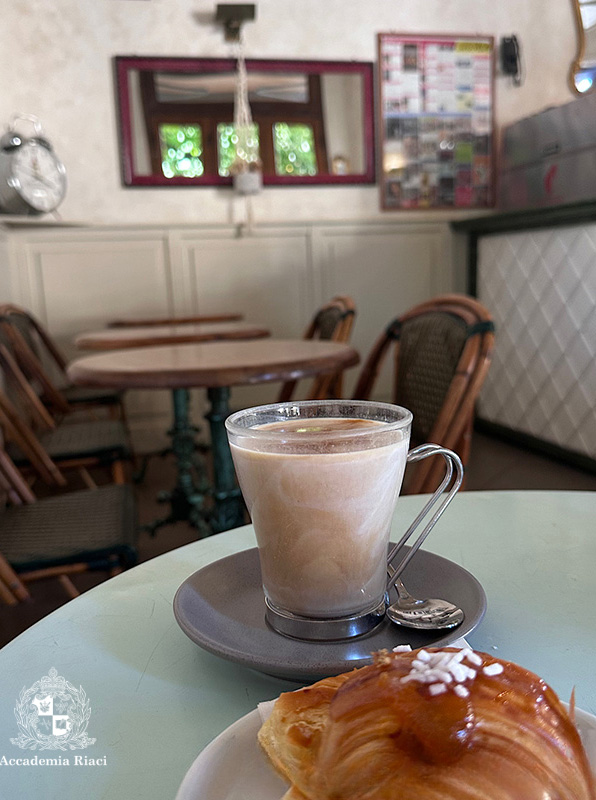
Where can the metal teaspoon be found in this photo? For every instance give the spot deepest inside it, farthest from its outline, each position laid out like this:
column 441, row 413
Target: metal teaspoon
column 429, row 614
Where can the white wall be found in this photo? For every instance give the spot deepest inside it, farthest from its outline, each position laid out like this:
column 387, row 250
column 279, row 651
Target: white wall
column 55, row 62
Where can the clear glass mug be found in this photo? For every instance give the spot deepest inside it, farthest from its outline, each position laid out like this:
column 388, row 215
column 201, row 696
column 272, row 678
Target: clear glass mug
column 320, row 479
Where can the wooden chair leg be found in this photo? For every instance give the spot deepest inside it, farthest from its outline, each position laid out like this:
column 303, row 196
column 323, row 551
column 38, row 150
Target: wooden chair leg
column 87, row 479
column 54, row 572
column 61, row 573
column 118, row 475
column 68, row 586
column 122, row 413
column 6, row 596
column 12, row 581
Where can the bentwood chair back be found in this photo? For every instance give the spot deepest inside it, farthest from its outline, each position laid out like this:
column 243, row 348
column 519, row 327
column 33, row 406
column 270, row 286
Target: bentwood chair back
column 44, row 365
column 18, row 435
column 441, row 355
column 55, row 537
column 333, row 322
column 40, row 443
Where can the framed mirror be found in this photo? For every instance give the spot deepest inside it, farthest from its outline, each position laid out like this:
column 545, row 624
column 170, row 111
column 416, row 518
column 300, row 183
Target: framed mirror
column 313, row 120
column 582, row 76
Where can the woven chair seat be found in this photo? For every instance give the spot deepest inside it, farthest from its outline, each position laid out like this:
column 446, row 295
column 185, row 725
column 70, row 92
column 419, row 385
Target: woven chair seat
column 85, row 394
column 87, row 526
column 104, row 440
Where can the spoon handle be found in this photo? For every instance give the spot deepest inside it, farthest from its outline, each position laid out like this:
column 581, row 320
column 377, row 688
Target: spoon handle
column 453, row 460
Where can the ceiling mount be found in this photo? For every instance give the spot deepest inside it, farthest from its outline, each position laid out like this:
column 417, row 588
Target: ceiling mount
column 232, row 15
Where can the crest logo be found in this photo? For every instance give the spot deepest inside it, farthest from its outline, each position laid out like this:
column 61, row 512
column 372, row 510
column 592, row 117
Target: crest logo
column 52, row 715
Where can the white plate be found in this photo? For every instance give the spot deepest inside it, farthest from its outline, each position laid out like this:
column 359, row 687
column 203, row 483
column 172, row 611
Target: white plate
column 233, row 767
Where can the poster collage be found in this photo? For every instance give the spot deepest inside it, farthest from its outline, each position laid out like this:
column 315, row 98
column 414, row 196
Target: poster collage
column 436, row 116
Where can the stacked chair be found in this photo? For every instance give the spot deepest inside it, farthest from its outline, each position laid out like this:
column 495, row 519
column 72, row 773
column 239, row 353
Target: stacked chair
column 42, row 362
column 66, row 532
column 333, row 322
column 39, row 417
column 56, row 537
column 441, row 355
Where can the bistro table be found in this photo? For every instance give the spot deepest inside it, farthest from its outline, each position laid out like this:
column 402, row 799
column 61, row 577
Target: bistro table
column 144, row 321
column 157, row 699
column 187, row 498
column 217, row 367
column 121, row 338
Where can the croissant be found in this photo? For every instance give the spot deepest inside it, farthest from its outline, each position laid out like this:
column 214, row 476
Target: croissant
column 428, row 725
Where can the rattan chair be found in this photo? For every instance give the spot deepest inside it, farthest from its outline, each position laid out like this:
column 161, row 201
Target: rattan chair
column 334, row 322
column 37, row 442
column 442, row 351
column 45, row 367
column 55, row 537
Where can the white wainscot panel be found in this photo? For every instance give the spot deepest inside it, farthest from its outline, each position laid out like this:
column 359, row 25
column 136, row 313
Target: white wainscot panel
column 264, row 276
column 386, row 272
column 82, row 282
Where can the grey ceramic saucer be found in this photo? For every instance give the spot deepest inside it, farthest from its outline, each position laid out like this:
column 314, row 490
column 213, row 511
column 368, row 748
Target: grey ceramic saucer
column 221, row 608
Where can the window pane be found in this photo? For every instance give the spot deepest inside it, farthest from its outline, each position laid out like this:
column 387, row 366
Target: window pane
column 181, row 150
column 226, row 146
column 294, row 147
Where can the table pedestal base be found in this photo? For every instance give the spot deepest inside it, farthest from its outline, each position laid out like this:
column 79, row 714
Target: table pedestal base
column 187, row 500
column 228, row 506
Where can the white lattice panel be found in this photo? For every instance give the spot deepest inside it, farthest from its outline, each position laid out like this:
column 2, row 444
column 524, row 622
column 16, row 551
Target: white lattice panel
column 541, row 289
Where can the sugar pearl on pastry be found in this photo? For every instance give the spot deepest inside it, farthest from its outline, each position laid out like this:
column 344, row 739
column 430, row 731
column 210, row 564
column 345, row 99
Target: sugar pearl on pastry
column 437, row 688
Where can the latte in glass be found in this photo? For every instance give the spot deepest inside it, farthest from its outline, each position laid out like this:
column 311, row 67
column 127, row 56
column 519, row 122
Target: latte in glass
column 321, row 493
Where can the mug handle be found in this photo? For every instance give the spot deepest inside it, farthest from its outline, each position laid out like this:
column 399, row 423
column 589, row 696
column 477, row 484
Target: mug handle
column 453, row 462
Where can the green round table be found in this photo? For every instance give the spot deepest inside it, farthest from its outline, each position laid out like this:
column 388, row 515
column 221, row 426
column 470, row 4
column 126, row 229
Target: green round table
column 157, row 699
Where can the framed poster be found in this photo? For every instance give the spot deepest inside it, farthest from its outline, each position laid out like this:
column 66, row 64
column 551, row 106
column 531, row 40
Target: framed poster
column 436, row 121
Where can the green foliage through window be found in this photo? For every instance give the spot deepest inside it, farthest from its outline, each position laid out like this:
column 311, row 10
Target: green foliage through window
column 226, row 146
column 294, row 146
column 181, row 150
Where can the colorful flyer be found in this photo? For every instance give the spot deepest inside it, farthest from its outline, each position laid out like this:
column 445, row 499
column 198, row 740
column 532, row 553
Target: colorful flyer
column 436, row 121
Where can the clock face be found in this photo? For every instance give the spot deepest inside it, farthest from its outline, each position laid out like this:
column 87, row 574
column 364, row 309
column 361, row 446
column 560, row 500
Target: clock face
column 39, row 176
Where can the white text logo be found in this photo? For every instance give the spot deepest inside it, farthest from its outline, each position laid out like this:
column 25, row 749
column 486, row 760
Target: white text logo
column 52, row 715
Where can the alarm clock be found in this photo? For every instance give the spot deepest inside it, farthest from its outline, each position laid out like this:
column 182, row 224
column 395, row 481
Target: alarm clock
column 32, row 178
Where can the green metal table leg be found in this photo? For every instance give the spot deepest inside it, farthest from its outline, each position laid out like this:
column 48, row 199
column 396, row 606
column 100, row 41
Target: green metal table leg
column 228, row 508
column 186, row 499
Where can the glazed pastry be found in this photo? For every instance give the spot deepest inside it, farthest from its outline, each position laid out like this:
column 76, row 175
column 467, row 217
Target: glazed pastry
column 428, row 725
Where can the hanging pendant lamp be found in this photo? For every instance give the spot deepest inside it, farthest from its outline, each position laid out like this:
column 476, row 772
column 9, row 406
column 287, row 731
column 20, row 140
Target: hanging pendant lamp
column 246, row 169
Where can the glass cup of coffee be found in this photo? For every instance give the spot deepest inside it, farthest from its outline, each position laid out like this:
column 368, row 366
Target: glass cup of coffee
column 320, row 479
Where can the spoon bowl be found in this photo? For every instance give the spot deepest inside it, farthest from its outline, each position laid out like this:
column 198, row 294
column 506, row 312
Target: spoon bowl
column 429, row 614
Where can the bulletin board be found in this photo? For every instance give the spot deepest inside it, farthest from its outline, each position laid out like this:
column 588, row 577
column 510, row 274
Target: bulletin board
column 436, row 121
